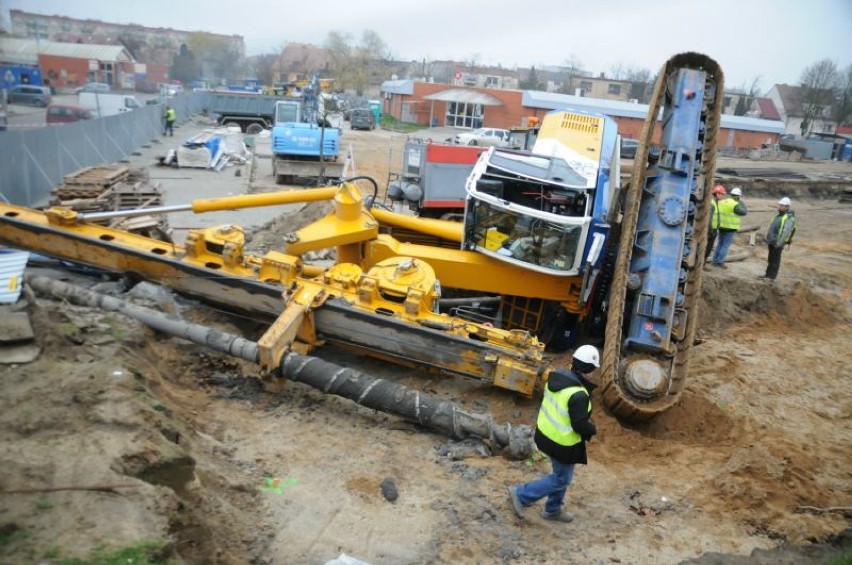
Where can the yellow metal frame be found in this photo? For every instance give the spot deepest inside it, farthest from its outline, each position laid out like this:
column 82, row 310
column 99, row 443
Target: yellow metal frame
column 373, row 272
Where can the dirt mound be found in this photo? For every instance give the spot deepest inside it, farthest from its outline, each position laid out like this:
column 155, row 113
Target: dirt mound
column 731, row 301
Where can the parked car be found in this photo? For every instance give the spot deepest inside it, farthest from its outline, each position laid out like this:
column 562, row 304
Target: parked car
column 484, row 136
column 171, row 90
column 67, row 113
column 28, row 94
column 362, row 118
column 628, row 148
column 93, row 87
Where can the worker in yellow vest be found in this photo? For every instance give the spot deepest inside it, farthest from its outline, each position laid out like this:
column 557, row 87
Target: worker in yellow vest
column 563, row 427
column 780, row 234
column 729, row 211
column 171, row 116
column 719, row 193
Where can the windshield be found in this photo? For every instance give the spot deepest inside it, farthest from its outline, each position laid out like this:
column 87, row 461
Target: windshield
column 286, row 113
column 524, row 238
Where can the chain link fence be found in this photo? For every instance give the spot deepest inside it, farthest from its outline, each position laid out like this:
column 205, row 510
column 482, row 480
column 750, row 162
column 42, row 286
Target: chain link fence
column 33, row 162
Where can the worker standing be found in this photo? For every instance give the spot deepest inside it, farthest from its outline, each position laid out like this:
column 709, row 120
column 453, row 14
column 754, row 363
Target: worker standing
column 563, row 427
column 171, row 116
column 780, row 233
column 730, row 210
column 719, row 192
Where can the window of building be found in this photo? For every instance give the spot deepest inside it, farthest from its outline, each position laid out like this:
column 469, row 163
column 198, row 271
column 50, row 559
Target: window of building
column 614, row 88
column 585, row 85
column 727, row 101
column 107, row 72
column 492, row 82
column 462, row 115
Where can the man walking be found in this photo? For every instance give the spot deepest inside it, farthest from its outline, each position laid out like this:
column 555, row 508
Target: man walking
column 781, row 230
column 730, row 210
column 171, row 116
column 562, row 430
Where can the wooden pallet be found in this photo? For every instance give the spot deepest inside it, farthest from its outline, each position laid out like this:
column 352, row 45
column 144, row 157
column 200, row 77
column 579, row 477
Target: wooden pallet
column 104, row 175
column 75, row 192
column 125, row 196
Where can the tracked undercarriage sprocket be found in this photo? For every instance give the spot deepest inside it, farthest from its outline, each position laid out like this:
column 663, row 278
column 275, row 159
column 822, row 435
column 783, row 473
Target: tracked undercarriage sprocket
column 637, row 384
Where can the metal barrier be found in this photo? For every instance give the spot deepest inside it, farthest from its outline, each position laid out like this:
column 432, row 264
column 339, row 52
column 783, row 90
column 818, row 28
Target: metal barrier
column 34, row 161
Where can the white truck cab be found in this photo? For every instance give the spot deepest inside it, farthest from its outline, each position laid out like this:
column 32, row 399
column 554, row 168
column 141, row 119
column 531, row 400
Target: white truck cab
column 109, row 104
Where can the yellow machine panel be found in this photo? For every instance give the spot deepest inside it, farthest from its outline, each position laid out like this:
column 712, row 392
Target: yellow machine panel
column 581, row 133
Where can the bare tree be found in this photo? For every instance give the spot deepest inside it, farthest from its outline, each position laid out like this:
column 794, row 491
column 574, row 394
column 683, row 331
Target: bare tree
column 572, row 68
column 472, row 61
column 338, row 49
column 641, row 83
column 373, row 47
column 266, row 67
column 532, row 81
column 216, row 53
column 423, row 69
column 5, row 26
column 747, row 97
column 818, row 82
column 843, row 107
column 353, row 66
column 374, row 56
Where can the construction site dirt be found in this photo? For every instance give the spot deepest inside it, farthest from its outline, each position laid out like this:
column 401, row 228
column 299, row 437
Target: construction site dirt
column 116, row 434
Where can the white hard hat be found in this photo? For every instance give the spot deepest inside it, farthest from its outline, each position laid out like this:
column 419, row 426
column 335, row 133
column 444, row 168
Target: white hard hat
column 588, row 354
column 737, row 191
column 784, row 202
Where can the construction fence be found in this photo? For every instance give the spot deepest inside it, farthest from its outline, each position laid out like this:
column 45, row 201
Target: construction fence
column 34, row 161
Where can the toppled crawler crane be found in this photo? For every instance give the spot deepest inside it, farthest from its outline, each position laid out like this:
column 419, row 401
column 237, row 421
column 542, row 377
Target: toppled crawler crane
column 568, row 254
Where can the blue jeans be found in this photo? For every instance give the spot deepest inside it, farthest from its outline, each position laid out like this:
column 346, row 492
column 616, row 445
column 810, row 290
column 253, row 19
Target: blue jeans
column 724, row 238
column 553, row 486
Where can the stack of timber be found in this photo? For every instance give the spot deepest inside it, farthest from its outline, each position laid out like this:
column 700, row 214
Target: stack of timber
column 108, row 188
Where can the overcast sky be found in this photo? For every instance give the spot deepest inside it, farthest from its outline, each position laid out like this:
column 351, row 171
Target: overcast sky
column 771, row 39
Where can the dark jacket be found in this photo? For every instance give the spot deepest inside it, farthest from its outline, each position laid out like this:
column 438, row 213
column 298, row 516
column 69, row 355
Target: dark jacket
column 778, row 237
column 578, row 410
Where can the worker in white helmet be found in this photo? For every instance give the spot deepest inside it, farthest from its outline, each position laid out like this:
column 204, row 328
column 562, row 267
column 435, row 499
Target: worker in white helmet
column 563, row 427
column 780, row 233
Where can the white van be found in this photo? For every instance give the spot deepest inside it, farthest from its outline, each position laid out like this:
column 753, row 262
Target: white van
column 108, row 104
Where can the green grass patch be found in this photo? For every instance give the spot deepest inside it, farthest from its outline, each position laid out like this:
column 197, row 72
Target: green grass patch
column 534, row 458
column 67, row 329
column 43, row 504
column 142, row 553
column 845, row 559
column 392, row 124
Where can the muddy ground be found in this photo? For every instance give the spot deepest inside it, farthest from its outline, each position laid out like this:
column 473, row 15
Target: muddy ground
column 188, row 448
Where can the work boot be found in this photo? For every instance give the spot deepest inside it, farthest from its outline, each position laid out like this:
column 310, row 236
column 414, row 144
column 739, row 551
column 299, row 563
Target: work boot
column 720, row 265
column 516, row 502
column 558, row 516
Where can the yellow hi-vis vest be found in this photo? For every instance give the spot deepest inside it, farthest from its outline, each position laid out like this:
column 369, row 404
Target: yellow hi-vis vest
column 714, row 215
column 553, row 418
column 727, row 219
